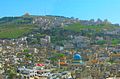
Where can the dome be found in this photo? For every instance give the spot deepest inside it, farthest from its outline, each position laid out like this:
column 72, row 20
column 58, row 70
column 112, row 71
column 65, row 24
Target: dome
column 77, row 57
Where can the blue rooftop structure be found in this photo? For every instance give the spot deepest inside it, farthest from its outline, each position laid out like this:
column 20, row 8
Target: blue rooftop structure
column 77, row 57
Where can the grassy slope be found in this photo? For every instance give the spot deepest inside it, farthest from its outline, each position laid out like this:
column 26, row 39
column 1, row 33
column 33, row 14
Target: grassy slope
column 78, row 27
column 14, row 30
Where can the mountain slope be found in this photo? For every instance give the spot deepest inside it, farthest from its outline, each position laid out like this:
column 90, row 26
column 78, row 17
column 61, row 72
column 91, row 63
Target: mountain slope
column 15, row 27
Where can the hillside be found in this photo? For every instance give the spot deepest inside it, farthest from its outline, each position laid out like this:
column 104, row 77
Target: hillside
column 15, row 27
column 77, row 27
column 15, row 30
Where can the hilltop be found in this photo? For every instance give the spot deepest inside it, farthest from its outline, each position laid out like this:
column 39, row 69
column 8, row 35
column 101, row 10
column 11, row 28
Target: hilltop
column 15, row 27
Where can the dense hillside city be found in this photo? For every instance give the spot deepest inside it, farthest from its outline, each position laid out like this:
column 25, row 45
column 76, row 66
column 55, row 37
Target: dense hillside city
column 58, row 47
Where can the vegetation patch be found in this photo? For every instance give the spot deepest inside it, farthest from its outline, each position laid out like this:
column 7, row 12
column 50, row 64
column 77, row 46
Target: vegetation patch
column 77, row 27
column 15, row 30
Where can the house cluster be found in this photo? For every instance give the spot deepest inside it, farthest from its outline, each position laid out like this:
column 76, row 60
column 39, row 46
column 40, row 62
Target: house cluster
column 97, row 22
column 48, row 22
column 49, row 61
column 114, row 32
column 48, row 71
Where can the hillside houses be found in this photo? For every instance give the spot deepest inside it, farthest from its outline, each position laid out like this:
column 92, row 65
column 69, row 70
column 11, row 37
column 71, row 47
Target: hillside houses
column 48, row 22
column 114, row 32
column 81, row 41
column 53, row 52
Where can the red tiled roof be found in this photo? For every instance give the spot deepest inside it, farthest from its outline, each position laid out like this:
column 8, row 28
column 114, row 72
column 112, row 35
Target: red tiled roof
column 63, row 63
column 40, row 65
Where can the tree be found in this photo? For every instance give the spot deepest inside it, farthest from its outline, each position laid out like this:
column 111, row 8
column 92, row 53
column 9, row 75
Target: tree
column 101, row 42
column 106, row 21
column 99, row 21
column 92, row 20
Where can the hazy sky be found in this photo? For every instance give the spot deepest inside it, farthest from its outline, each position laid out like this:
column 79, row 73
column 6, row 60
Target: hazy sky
column 83, row 9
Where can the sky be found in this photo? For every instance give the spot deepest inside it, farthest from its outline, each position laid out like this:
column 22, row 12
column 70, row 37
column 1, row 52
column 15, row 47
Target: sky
column 82, row 9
